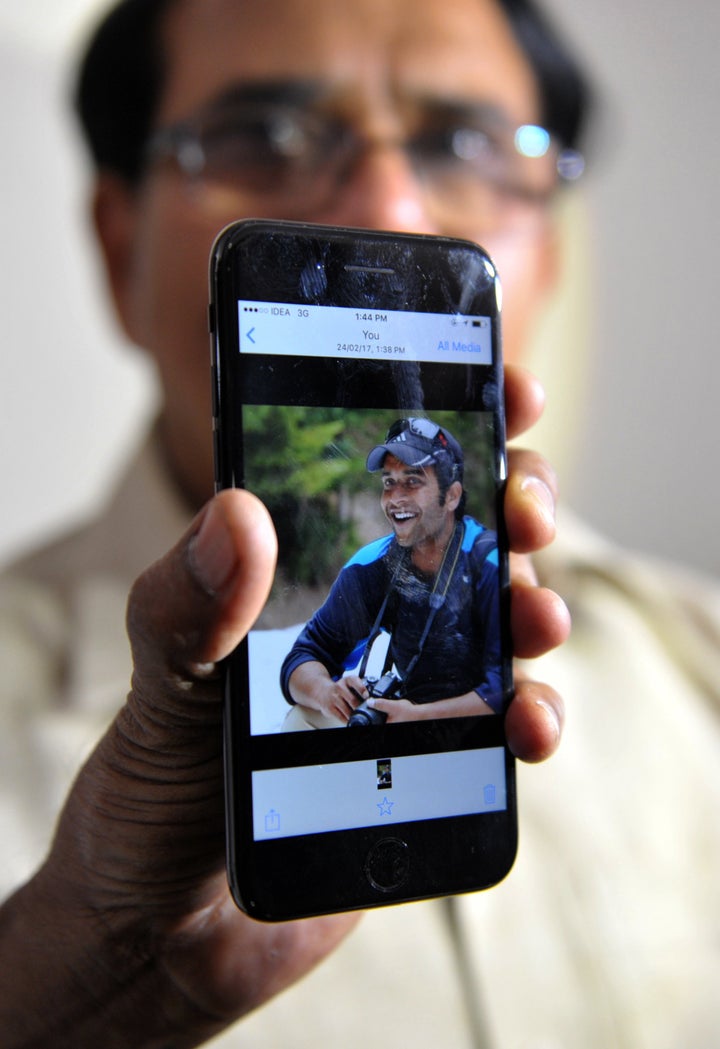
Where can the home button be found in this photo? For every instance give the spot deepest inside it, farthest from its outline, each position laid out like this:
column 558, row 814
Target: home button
column 388, row 864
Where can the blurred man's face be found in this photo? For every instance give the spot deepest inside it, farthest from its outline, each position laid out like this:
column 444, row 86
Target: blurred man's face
column 376, row 64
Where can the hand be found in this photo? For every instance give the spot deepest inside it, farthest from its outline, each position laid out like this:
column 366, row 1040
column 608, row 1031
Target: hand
column 468, row 705
column 312, row 686
column 396, row 710
column 128, row 928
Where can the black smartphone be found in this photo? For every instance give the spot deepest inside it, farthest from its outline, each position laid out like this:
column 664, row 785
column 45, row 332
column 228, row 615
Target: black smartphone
column 358, row 391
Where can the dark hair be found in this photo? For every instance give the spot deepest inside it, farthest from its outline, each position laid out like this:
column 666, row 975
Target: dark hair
column 446, row 472
column 565, row 96
column 120, row 83
column 121, row 80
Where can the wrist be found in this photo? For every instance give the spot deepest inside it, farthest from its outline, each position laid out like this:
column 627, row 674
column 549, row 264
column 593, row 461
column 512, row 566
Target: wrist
column 74, row 979
column 49, row 947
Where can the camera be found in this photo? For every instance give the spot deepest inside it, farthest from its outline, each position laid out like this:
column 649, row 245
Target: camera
column 386, row 687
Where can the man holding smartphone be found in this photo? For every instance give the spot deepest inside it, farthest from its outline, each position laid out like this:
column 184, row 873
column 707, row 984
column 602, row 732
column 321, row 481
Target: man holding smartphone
column 432, row 585
column 128, row 926
column 395, row 114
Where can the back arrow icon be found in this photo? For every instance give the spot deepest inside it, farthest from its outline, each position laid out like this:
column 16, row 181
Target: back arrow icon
column 249, row 334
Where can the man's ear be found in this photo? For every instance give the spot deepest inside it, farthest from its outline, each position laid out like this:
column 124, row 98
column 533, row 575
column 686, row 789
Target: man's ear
column 453, row 496
column 114, row 213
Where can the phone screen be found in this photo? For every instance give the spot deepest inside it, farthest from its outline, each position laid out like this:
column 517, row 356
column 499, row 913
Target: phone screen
column 359, row 395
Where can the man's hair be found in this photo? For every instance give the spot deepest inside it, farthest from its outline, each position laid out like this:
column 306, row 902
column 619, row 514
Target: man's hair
column 120, row 84
column 446, row 473
column 121, row 79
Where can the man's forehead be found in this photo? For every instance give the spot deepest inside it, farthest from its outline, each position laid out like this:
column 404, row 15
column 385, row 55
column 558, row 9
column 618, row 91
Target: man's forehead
column 446, row 48
column 392, row 465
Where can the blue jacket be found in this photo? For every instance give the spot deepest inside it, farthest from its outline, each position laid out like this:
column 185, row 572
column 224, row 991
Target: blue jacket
column 462, row 652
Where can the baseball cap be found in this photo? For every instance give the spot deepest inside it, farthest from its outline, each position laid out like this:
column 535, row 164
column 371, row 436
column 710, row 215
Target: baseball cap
column 417, row 442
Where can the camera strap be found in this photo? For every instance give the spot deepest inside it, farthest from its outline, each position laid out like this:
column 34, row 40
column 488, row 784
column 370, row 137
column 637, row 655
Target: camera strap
column 377, row 628
column 440, row 590
column 436, row 600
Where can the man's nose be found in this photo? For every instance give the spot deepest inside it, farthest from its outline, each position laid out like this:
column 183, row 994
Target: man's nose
column 398, row 495
column 381, row 191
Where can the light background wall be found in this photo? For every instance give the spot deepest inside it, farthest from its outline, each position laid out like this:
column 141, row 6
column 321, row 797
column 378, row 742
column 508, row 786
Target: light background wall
column 644, row 464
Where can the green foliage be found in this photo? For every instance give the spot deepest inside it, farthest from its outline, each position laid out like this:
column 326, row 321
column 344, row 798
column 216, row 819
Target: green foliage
column 296, row 462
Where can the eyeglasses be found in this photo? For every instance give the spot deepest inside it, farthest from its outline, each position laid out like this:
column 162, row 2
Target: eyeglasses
column 293, row 157
column 424, row 428
column 419, row 427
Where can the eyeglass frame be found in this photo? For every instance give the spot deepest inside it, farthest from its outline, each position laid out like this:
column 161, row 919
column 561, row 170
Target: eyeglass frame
column 183, row 140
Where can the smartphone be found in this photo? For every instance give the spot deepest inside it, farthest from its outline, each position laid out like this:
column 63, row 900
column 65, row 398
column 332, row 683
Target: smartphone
column 358, row 391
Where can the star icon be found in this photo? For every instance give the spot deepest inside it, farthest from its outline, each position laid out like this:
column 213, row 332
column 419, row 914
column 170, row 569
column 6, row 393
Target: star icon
column 385, row 807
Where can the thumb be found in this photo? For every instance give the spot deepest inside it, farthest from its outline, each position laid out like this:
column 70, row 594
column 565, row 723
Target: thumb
column 232, row 555
column 147, row 808
column 193, row 606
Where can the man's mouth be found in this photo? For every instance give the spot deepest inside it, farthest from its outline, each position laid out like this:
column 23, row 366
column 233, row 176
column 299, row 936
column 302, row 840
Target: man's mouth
column 402, row 515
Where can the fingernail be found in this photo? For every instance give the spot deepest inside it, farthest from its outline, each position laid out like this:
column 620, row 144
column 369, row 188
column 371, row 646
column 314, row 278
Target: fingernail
column 212, row 553
column 541, row 494
column 552, row 715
